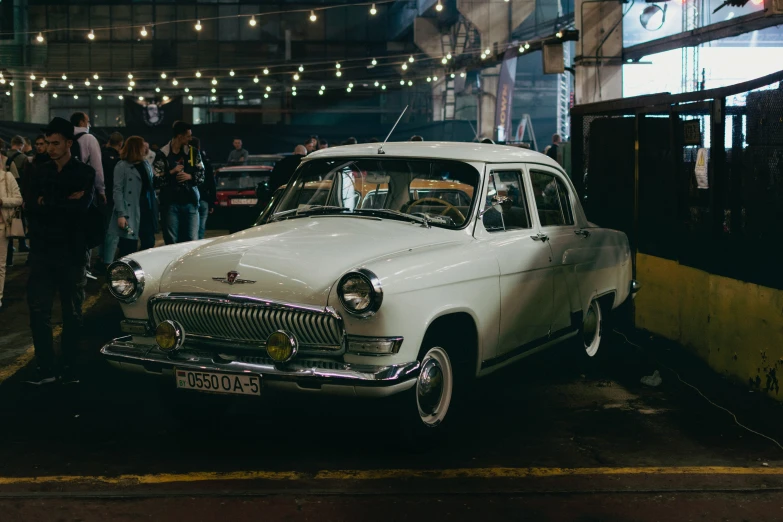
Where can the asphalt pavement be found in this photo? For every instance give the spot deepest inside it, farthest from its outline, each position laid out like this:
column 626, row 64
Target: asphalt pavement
column 553, row 437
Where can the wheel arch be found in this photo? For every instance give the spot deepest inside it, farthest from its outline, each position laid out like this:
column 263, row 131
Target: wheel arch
column 459, row 326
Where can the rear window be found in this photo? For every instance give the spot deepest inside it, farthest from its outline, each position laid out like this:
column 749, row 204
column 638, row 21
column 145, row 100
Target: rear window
column 241, row 179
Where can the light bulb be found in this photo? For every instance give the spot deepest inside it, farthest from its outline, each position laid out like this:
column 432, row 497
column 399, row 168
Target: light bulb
column 444, row 61
column 252, row 21
column 214, row 98
column 448, row 56
column 132, row 83
column 559, row 34
column 214, row 81
column 266, row 71
column 187, row 90
column 239, row 91
column 429, row 78
column 313, row 18
column 75, row 96
column 348, row 89
column 521, row 48
column 43, row 84
column 64, row 77
column 54, row 95
column 337, row 65
column 405, row 67
column 198, row 25
column 453, row 75
column 434, row 78
column 320, row 93
column 293, row 88
column 402, row 82
column 410, row 59
column 241, row 96
column 338, row 74
column 323, row 87
column 190, row 98
column 70, row 86
column 174, row 82
column 95, row 76
column 91, row 35
column 165, row 98
column 87, row 83
column 40, row 38
column 266, row 95
column 350, row 85
column 143, row 31
column 214, row 90
column 2, row 80
column 462, row 74
column 439, row 7
column 410, row 83
column 293, row 93
column 255, row 79
column 32, row 95
column 11, row 84
column 163, row 75
column 100, row 97
column 488, row 51
column 377, row 84
column 268, row 89
column 231, row 72
column 301, row 68
column 121, row 96
column 100, row 87
column 32, row 77
column 130, row 76
column 198, row 74
column 296, row 77
column 141, row 98
column 383, row 87
column 157, row 89
column 374, row 61
column 130, row 88
column 527, row 45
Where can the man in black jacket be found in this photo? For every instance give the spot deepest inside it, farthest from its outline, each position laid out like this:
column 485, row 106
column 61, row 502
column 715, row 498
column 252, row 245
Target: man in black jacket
column 59, row 198
column 178, row 172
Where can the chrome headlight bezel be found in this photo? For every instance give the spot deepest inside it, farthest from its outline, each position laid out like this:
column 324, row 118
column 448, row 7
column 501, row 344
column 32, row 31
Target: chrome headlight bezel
column 376, row 292
column 138, row 274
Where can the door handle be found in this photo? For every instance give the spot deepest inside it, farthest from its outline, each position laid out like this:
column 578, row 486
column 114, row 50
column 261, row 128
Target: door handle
column 583, row 233
column 540, row 237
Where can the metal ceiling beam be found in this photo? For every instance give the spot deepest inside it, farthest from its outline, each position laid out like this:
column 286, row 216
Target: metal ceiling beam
column 716, row 31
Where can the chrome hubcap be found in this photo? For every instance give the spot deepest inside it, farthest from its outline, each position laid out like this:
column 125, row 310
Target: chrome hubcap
column 430, row 386
column 591, row 329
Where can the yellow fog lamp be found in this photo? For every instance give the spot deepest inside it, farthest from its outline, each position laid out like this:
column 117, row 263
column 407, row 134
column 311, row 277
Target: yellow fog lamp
column 281, row 346
column 169, row 335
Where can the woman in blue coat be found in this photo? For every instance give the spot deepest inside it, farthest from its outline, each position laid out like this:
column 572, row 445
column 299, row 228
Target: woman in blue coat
column 135, row 207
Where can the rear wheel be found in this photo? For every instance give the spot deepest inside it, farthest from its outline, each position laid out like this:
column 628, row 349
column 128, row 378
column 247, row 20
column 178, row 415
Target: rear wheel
column 591, row 331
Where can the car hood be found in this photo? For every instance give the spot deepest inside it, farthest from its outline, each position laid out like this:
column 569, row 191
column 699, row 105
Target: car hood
column 297, row 260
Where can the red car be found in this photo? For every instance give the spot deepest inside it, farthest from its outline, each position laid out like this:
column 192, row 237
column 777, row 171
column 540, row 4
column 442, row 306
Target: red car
column 237, row 202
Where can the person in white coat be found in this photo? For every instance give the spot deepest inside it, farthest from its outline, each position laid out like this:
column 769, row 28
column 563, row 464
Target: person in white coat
column 10, row 200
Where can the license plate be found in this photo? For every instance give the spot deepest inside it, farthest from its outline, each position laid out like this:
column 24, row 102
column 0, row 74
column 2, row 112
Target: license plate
column 219, row 382
column 244, row 201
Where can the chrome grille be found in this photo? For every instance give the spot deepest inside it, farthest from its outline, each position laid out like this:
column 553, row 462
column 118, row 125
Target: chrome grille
column 237, row 319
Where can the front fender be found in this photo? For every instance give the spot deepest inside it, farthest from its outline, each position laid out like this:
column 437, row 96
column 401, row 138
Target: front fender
column 154, row 263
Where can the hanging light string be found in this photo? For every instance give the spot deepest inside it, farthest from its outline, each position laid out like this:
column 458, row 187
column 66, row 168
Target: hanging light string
column 249, row 16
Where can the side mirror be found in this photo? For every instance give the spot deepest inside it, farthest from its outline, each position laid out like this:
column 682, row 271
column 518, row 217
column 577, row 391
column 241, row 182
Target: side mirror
column 498, row 203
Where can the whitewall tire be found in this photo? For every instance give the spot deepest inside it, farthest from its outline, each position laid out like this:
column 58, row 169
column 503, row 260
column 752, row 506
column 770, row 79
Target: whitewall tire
column 591, row 330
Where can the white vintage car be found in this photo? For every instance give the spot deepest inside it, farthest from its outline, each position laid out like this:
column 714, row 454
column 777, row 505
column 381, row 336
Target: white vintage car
column 406, row 269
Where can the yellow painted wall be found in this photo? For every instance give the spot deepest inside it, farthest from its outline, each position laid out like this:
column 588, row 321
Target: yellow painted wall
column 736, row 327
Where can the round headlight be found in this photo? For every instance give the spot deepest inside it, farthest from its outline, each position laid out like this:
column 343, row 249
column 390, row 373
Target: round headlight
column 281, row 346
column 360, row 292
column 169, row 335
column 126, row 280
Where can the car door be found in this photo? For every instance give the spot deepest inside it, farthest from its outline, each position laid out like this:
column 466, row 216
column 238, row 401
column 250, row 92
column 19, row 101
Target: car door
column 554, row 201
column 526, row 279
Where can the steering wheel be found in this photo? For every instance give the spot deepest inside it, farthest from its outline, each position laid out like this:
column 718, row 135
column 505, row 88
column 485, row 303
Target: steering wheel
column 448, row 206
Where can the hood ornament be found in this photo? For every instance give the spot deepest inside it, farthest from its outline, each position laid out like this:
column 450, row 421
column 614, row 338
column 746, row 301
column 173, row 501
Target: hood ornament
column 232, row 278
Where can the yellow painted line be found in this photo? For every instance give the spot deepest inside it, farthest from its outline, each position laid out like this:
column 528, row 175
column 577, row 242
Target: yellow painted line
column 381, row 474
column 22, row 360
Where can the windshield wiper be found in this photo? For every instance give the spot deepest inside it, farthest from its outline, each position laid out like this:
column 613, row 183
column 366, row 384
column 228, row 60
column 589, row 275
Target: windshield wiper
column 309, row 210
column 389, row 212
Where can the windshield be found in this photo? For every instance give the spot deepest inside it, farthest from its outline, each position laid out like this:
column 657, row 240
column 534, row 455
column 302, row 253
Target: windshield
column 439, row 192
column 241, row 179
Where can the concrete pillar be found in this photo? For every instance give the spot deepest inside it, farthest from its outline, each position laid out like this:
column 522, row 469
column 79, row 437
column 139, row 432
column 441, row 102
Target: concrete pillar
column 19, row 96
column 599, row 71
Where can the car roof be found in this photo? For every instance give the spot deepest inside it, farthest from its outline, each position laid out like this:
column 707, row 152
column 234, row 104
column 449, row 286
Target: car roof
column 269, row 156
column 447, row 150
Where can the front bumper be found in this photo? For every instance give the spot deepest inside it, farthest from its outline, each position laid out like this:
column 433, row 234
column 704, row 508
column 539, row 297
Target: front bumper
column 301, row 375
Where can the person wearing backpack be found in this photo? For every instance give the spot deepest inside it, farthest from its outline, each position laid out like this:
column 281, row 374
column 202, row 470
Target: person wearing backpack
column 60, row 199
column 15, row 164
column 86, row 149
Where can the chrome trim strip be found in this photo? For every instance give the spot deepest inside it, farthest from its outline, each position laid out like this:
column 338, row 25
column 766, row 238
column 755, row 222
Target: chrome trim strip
column 124, row 350
column 138, row 273
column 362, row 339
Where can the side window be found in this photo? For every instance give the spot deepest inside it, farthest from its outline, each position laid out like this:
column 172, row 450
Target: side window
column 507, row 183
column 552, row 201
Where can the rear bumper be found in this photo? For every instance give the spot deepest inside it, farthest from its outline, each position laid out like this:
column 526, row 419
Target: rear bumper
column 306, row 376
